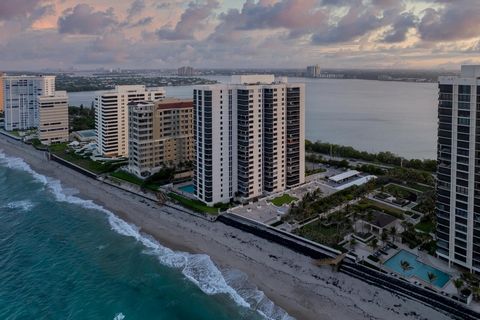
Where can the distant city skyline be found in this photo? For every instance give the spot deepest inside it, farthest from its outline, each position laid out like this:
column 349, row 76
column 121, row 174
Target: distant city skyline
column 38, row 34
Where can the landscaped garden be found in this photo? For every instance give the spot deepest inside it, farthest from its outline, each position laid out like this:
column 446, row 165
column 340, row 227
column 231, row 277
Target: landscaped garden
column 193, row 204
column 400, row 192
column 127, row 177
column 283, row 199
column 427, row 224
column 365, row 205
column 153, row 182
column 329, row 231
column 313, row 204
column 63, row 151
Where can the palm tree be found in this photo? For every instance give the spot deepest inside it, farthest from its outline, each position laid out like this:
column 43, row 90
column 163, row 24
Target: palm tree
column 353, row 242
column 393, row 232
column 476, row 292
column 374, row 243
column 384, row 235
column 405, row 265
column 458, row 283
column 431, row 277
column 354, row 218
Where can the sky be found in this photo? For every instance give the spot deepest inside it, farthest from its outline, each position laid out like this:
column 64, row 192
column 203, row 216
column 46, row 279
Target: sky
column 156, row 34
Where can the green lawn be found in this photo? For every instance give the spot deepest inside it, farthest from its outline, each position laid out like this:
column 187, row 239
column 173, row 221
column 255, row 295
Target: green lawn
column 314, row 171
column 195, row 205
column 419, row 187
column 425, row 226
column 369, row 204
column 127, row 177
column 134, row 179
column 61, row 150
column 283, row 199
column 329, row 235
column 397, row 190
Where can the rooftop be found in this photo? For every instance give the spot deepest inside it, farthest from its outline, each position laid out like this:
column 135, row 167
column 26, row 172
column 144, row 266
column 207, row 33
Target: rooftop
column 381, row 220
column 86, row 133
column 174, row 103
column 344, row 175
column 471, row 71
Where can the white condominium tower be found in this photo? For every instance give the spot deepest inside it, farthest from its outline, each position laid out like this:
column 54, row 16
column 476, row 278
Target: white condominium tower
column 111, row 116
column 1, row 91
column 458, row 173
column 249, row 138
column 313, row 71
column 20, row 99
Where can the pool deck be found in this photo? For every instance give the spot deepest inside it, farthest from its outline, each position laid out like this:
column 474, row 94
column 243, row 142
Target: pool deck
column 426, row 259
column 418, row 269
column 177, row 188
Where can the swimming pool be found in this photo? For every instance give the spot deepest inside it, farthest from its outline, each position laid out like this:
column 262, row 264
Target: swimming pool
column 189, row 188
column 417, row 269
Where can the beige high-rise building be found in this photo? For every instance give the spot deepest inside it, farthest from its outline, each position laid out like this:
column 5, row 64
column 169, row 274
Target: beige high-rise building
column 1, row 92
column 160, row 135
column 111, row 116
column 53, row 118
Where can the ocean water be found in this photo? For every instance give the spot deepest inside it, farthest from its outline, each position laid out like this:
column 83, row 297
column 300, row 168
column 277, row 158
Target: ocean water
column 62, row 257
column 369, row 115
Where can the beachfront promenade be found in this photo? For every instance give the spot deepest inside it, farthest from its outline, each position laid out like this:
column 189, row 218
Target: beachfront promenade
column 316, row 251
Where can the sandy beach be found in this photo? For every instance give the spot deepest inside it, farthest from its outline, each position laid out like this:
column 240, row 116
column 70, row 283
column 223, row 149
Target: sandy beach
column 289, row 279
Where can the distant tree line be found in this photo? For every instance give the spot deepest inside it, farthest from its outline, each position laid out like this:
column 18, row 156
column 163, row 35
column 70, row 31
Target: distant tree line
column 385, row 157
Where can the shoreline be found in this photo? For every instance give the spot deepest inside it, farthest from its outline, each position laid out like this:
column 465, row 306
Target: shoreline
column 289, row 279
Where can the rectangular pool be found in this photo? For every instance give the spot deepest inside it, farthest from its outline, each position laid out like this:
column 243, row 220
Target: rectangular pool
column 189, row 188
column 417, row 269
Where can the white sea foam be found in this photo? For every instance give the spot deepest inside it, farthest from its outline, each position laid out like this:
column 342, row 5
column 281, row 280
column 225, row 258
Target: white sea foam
column 24, row 205
column 198, row 268
column 119, row 316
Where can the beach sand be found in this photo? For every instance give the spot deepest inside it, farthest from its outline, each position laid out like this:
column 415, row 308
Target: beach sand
column 289, row 279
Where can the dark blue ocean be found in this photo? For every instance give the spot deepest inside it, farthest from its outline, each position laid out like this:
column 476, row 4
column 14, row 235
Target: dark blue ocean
column 62, row 257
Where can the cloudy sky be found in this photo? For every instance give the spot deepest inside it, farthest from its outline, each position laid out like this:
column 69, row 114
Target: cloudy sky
column 36, row 34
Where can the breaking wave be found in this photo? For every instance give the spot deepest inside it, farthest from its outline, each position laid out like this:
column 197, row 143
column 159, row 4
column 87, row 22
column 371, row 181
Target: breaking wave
column 24, row 205
column 198, row 268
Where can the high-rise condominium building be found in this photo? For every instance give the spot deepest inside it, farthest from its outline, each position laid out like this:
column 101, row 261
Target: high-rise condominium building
column 111, row 116
column 1, row 91
column 20, row 99
column 160, row 135
column 458, row 173
column 313, row 71
column 53, row 118
column 186, row 71
column 249, row 138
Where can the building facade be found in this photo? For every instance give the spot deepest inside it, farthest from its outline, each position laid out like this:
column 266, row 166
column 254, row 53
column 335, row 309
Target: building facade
column 458, row 173
column 160, row 135
column 186, row 71
column 1, row 92
column 249, row 138
column 53, row 118
column 111, row 116
column 313, row 71
column 20, row 99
